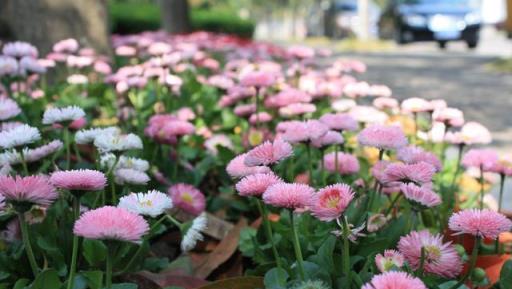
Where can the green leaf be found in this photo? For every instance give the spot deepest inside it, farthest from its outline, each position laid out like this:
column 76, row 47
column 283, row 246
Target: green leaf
column 124, row 286
column 449, row 284
column 21, row 284
column 94, row 251
column 276, row 279
column 324, row 257
column 229, row 119
column 245, row 243
column 506, row 275
column 47, row 279
column 94, row 279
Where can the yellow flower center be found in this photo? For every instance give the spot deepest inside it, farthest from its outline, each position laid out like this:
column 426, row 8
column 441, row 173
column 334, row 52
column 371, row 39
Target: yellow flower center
column 146, row 203
column 187, row 198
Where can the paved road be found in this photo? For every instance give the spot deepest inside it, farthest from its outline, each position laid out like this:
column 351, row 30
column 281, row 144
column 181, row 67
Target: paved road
column 463, row 79
column 459, row 76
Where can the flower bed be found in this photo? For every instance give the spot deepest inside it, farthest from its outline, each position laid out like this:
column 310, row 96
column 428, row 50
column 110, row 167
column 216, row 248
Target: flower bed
column 203, row 157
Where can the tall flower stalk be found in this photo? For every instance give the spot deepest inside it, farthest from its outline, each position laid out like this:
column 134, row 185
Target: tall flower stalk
column 297, row 248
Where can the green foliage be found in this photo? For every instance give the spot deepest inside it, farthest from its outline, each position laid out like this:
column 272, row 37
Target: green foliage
column 129, row 18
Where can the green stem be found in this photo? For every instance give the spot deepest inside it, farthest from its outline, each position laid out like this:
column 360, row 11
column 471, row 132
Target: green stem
column 472, row 264
column 110, row 175
column 66, row 143
column 500, row 203
column 26, row 243
column 24, row 162
column 346, row 251
column 268, row 231
column 392, row 205
column 74, row 254
column 310, row 165
column 422, row 262
column 455, row 175
column 174, row 221
column 108, row 269
column 296, row 247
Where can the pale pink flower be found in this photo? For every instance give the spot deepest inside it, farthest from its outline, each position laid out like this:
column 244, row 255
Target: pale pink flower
column 268, row 153
column 79, row 180
column 256, row 184
column 376, row 222
column 438, row 104
column 391, row 260
column 287, row 97
column 111, row 223
column 258, row 78
column 304, row 131
column 440, row 258
column 245, row 109
column 69, row 45
column 177, row 128
column 415, row 105
column 8, row 109
column 32, row 189
column 378, row 170
column 422, row 196
column 347, row 163
column 356, row 89
column 218, row 140
column 20, row 49
column 188, row 198
column 342, row 105
column 298, row 197
column 472, row 133
column 125, row 50
column 301, row 52
column 330, row 138
column 382, row 137
column 414, row 154
column 385, row 103
column 77, row 79
column 486, row 159
column 394, row 280
column 330, row 202
column 481, row 223
column 419, row 173
column 339, row 121
column 379, row 90
column 295, row 109
column 260, row 117
column 449, row 116
column 237, row 168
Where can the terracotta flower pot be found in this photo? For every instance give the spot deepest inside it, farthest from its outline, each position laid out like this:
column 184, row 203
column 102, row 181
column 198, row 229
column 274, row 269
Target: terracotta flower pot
column 492, row 265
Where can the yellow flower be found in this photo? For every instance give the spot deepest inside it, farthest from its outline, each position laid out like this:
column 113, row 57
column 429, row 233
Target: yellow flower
column 104, row 121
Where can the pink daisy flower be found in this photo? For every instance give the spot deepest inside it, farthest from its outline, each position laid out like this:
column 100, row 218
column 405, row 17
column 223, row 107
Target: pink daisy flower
column 340, row 121
column 475, row 133
column 347, row 163
column 382, row 137
column 292, row 196
column 287, row 97
column 295, row 132
column 422, row 196
column 391, row 260
column 330, row 202
column 187, row 198
column 420, row 173
column 111, row 223
column 295, row 109
column 260, row 117
column 245, row 109
column 414, row 154
column 481, row 223
column 449, row 116
column 378, row 170
column 255, row 185
column 258, row 79
column 79, row 180
column 177, row 128
column 330, row 138
column 237, row 168
column 415, row 105
column 440, row 258
column 384, row 103
column 480, row 158
column 268, row 153
column 394, row 280
column 32, row 189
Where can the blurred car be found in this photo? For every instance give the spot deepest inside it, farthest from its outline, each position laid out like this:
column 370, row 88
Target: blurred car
column 432, row 20
column 346, row 18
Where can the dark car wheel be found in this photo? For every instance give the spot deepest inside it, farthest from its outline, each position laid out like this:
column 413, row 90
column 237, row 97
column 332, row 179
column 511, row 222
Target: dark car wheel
column 442, row 44
column 399, row 36
column 472, row 44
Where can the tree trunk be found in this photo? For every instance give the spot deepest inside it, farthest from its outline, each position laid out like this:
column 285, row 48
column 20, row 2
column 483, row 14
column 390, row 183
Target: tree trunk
column 44, row 22
column 329, row 20
column 175, row 16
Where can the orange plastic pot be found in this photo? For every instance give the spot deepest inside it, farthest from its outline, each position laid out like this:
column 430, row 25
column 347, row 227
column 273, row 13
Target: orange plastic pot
column 492, row 265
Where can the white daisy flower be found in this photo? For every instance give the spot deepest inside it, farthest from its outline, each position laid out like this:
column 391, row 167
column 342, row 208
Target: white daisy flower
column 193, row 234
column 86, row 136
column 12, row 157
column 108, row 160
column 152, row 203
column 109, row 143
column 19, row 136
column 8, row 108
column 64, row 114
column 130, row 176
